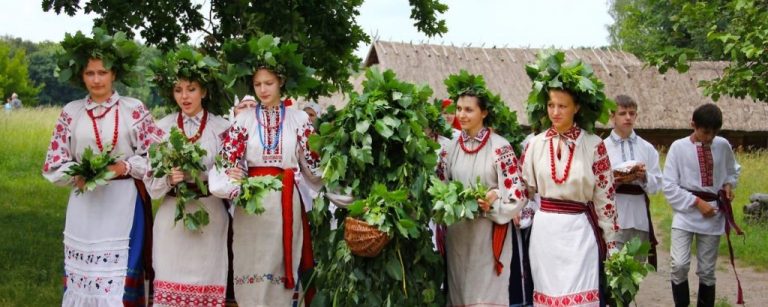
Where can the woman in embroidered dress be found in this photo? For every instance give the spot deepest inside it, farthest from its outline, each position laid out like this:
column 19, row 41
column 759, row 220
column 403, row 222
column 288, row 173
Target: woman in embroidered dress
column 569, row 168
column 477, row 250
column 269, row 248
column 190, row 266
column 104, row 230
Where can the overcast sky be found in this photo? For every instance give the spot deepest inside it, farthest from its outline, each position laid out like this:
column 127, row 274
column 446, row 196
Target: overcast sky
column 515, row 23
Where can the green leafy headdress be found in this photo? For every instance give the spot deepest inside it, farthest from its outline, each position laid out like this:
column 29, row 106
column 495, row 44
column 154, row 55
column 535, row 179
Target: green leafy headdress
column 500, row 117
column 245, row 57
column 577, row 78
column 116, row 52
column 188, row 64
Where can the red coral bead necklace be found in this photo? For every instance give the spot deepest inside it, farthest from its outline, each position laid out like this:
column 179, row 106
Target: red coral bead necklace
column 199, row 133
column 96, row 128
column 552, row 163
column 482, row 143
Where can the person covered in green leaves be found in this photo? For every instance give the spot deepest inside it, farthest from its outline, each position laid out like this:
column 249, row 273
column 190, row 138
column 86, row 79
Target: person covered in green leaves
column 189, row 256
column 271, row 247
column 106, row 225
column 478, row 251
column 568, row 166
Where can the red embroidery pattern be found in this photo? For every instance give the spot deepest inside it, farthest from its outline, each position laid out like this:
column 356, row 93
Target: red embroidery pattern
column 312, row 158
column 233, row 144
column 146, row 130
column 604, row 181
column 58, row 150
column 507, row 165
column 92, row 285
column 483, row 137
column 572, row 133
column 271, row 121
column 591, row 296
column 706, row 167
column 176, row 294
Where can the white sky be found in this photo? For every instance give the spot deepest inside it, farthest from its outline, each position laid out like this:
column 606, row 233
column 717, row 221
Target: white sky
column 515, row 23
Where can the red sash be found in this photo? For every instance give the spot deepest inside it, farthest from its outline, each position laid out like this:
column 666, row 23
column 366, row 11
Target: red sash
column 572, row 207
column 724, row 205
column 307, row 261
column 633, row 189
column 498, row 236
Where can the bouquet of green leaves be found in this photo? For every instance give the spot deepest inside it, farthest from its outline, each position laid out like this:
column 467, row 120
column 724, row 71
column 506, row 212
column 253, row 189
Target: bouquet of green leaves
column 387, row 211
column 178, row 152
column 93, row 169
column 253, row 190
column 624, row 272
column 454, row 203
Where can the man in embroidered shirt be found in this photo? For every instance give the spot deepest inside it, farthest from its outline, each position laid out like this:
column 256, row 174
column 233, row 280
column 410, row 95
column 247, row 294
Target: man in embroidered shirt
column 697, row 169
column 636, row 174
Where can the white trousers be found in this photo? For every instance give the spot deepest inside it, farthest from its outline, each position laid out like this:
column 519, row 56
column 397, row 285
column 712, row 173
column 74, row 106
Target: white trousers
column 706, row 256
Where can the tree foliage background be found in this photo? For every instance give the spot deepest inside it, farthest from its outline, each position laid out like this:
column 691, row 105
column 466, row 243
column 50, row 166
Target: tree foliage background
column 14, row 74
column 325, row 30
column 671, row 33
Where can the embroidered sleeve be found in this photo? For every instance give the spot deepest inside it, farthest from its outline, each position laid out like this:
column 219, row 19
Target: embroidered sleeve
column 511, row 188
column 59, row 157
column 603, row 197
column 144, row 132
column 308, row 159
column 233, row 143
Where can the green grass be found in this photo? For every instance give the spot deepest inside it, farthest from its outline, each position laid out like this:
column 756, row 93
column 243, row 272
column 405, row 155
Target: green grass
column 750, row 249
column 31, row 212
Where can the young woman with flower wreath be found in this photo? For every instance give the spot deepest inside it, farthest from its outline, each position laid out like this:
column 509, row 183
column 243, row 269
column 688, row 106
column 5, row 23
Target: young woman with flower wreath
column 106, row 229
column 190, row 266
column 269, row 248
column 478, row 251
column 568, row 166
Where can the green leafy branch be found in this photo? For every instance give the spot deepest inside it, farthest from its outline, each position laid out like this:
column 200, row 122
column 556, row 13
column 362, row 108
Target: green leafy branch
column 253, row 190
column 178, row 152
column 453, row 202
column 386, row 210
column 625, row 272
column 93, row 169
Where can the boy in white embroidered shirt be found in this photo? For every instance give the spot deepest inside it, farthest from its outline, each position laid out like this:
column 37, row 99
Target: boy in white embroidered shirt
column 699, row 177
column 636, row 174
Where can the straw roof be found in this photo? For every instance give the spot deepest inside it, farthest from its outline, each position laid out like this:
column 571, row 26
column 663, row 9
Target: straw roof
column 666, row 101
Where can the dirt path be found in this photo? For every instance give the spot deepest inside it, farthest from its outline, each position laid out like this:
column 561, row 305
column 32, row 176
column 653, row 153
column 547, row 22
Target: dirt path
column 656, row 289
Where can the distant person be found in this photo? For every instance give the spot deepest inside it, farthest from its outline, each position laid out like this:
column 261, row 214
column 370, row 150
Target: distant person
column 7, row 106
column 700, row 174
column 15, row 101
column 313, row 110
column 636, row 175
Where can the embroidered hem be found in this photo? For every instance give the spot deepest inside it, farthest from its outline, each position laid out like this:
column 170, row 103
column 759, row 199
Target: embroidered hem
column 177, row 294
column 575, row 299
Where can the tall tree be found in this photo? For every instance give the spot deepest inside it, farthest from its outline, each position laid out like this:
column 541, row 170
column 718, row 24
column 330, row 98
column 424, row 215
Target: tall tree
column 325, row 30
column 42, row 70
column 670, row 34
column 14, row 75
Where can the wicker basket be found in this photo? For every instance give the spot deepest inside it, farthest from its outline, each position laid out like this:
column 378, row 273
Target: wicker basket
column 363, row 239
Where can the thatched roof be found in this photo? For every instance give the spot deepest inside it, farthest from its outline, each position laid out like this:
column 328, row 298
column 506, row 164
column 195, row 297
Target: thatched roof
column 665, row 101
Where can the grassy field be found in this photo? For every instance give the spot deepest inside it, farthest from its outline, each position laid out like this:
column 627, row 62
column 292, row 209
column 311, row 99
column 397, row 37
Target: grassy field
column 32, row 212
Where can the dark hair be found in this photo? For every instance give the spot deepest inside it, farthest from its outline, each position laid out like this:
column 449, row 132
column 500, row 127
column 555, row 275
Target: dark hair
column 708, row 116
column 624, row 101
column 482, row 103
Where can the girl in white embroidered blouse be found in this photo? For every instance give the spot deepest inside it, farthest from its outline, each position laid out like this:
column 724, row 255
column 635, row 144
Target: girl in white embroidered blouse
column 270, row 249
column 569, row 168
column 104, row 232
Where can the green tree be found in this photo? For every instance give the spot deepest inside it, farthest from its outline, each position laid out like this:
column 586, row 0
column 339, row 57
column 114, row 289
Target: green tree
column 42, row 68
column 670, row 34
column 325, row 30
column 14, row 76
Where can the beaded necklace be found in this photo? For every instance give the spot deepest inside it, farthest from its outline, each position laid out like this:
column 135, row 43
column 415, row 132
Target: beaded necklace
column 199, row 133
column 482, row 143
column 268, row 146
column 96, row 129
column 552, row 163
